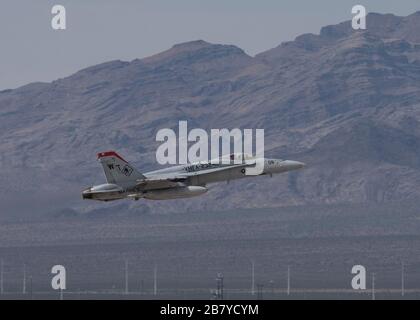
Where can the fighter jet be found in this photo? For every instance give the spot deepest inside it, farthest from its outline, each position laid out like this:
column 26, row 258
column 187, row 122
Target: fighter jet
column 181, row 181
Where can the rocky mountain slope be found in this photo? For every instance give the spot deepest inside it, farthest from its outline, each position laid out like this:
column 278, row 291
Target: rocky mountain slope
column 345, row 102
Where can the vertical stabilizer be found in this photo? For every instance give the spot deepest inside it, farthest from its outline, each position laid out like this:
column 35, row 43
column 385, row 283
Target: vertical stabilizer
column 117, row 170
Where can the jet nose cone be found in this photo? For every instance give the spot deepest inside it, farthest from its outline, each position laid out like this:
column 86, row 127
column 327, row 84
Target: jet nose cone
column 300, row 165
column 294, row 165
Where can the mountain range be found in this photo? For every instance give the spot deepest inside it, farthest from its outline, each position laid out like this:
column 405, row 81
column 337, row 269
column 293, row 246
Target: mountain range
column 345, row 102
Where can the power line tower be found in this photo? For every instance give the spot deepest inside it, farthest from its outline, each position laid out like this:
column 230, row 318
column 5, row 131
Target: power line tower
column 126, row 276
column 155, row 280
column 373, row 286
column 271, row 284
column 253, row 278
column 24, row 279
column 1, row 276
column 402, row 280
column 260, row 288
column 141, row 286
column 30, row 288
column 220, row 287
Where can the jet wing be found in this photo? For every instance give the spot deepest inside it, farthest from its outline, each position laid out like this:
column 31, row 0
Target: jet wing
column 159, row 183
column 218, row 169
column 164, row 181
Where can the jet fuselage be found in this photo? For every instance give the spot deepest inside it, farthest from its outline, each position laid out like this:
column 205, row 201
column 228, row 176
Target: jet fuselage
column 181, row 181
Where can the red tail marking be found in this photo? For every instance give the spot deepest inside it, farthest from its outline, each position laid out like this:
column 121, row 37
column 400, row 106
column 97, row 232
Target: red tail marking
column 110, row 154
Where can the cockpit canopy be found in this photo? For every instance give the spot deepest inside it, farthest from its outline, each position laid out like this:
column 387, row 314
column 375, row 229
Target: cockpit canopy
column 239, row 156
column 236, row 157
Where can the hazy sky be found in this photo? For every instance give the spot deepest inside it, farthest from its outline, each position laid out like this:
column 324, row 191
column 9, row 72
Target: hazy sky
column 102, row 30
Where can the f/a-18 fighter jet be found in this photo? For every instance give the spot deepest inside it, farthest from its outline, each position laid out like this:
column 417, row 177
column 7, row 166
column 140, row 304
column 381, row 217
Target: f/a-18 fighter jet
column 180, row 181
